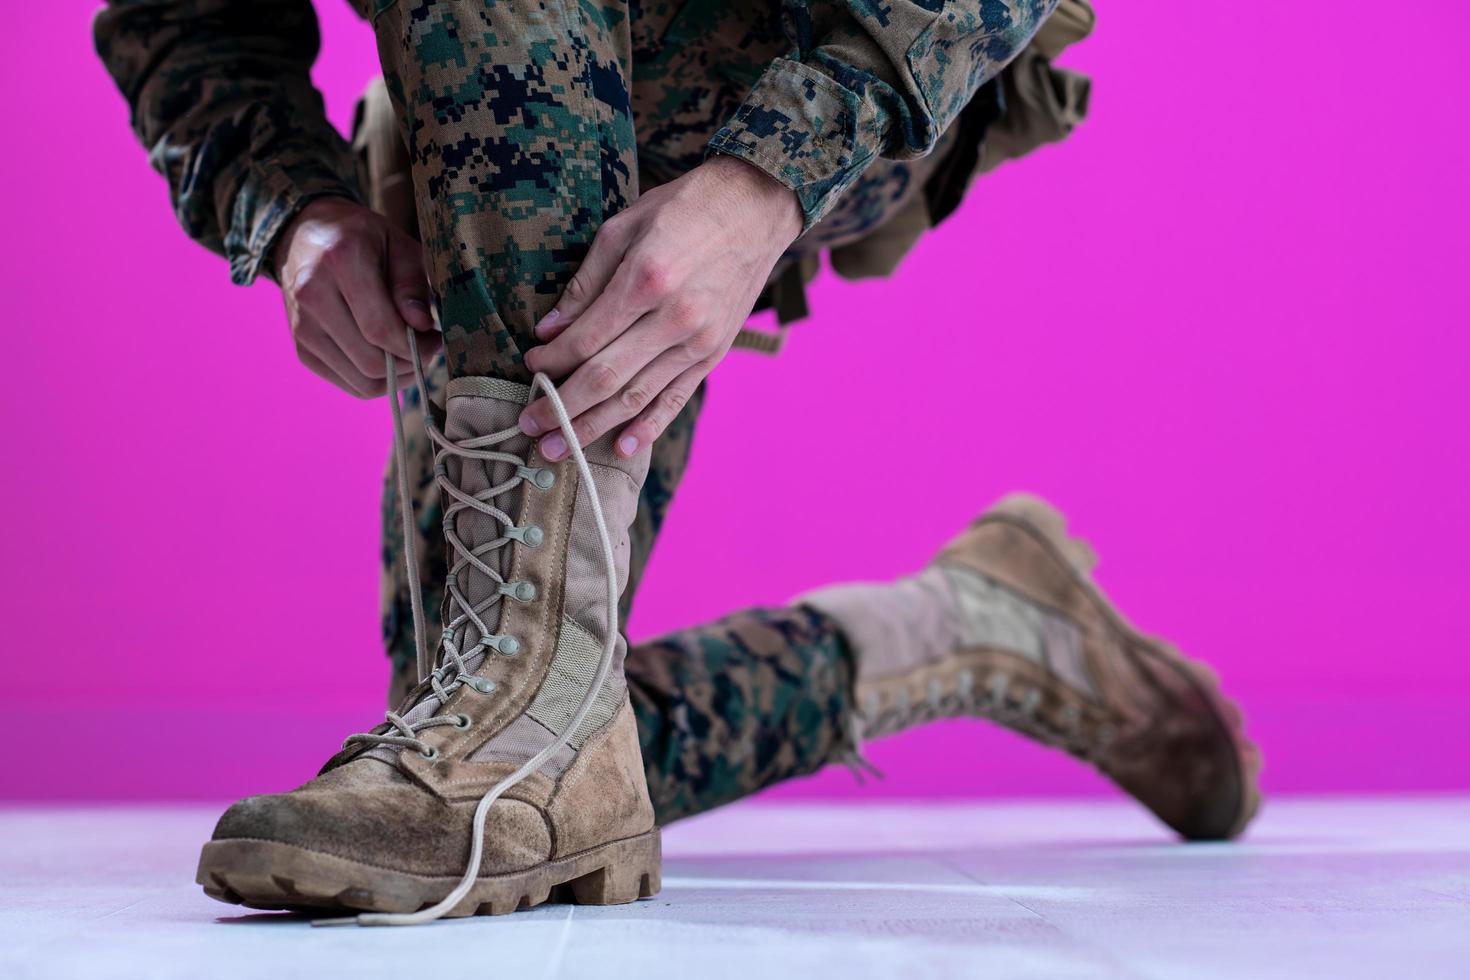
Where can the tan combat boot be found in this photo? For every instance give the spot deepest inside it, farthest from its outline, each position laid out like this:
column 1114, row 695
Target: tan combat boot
column 512, row 774
column 1007, row 624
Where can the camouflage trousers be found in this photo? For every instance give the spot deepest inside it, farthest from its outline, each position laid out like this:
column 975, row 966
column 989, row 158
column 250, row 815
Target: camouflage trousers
column 527, row 125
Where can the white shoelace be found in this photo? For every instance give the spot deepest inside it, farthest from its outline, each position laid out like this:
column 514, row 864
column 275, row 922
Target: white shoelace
column 451, row 655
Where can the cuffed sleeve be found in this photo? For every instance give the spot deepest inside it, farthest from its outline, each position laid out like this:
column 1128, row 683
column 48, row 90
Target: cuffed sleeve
column 221, row 95
column 865, row 80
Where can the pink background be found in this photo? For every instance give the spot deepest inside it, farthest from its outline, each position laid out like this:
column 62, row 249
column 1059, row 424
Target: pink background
column 1218, row 327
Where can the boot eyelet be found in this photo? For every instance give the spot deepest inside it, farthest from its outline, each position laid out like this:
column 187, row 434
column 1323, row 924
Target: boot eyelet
column 483, row 685
column 431, row 753
column 538, row 476
column 531, row 536
column 519, row 591
column 508, row 646
column 462, row 722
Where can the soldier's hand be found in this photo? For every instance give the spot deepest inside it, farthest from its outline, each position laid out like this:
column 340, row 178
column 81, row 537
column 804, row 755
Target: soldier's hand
column 656, row 304
column 351, row 281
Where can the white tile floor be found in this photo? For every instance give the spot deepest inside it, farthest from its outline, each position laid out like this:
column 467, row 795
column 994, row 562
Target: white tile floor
column 1333, row 888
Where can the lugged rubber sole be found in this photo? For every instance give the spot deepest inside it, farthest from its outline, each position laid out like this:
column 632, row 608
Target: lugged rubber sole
column 264, row 874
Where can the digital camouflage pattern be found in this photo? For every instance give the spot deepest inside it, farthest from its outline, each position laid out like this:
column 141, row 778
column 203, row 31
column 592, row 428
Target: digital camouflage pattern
column 737, row 705
column 527, row 126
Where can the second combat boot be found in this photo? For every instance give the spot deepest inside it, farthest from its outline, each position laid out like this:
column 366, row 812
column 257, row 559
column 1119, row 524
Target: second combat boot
column 1007, row 624
column 511, row 774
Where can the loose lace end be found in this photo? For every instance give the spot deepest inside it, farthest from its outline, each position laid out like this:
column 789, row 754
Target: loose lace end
column 351, row 920
column 851, row 754
column 858, row 764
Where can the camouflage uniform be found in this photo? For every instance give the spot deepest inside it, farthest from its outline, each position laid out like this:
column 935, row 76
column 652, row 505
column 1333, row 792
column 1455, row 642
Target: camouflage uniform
column 525, row 126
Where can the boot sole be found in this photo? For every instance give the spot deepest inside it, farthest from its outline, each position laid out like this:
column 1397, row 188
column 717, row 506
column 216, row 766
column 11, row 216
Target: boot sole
column 264, row 874
column 1049, row 525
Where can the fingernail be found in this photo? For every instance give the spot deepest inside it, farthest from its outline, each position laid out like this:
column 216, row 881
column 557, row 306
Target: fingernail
column 528, row 425
column 553, row 447
column 414, row 304
column 628, row 445
column 543, row 327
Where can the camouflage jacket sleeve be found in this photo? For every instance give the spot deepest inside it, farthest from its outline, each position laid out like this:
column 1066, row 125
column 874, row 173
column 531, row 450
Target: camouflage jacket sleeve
column 870, row 78
column 221, row 95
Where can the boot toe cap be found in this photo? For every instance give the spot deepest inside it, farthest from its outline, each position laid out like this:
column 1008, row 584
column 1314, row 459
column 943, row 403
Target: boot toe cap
column 395, row 826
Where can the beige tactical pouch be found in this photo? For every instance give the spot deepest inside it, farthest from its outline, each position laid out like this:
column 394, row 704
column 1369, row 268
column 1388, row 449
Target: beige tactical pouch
column 1044, row 103
column 382, row 158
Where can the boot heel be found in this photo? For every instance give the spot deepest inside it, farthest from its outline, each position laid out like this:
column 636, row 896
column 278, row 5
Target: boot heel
column 633, row 870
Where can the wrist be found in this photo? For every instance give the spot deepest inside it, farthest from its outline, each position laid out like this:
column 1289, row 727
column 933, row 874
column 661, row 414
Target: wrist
column 776, row 202
column 315, row 209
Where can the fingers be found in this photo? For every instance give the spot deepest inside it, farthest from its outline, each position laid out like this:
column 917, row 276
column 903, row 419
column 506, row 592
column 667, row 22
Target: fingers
column 657, row 417
column 591, row 278
column 379, row 324
column 643, row 282
column 409, row 283
column 348, row 378
column 653, row 392
column 323, row 328
column 600, row 379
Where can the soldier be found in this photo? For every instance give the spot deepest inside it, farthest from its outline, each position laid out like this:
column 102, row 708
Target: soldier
column 588, row 200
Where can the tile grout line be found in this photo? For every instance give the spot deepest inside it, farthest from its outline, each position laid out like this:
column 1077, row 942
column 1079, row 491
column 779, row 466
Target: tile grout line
column 1092, row 946
column 553, row 965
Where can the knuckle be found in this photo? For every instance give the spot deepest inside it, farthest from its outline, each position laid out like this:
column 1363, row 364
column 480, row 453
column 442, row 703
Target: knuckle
column 674, row 400
column 602, row 380
column 634, row 397
column 707, row 343
column 662, row 223
column 376, row 330
column 310, row 285
column 651, row 277
column 614, row 229
column 685, row 316
column 690, row 351
column 577, row 289
column 307, row 333
column 582, row 347
column 649, row 427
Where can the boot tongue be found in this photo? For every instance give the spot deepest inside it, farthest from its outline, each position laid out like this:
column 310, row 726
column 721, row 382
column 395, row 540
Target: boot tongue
column 479, row 407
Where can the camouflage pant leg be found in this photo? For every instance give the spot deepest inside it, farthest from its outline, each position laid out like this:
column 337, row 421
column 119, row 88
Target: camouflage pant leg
column 520, row 139
column 729, row 708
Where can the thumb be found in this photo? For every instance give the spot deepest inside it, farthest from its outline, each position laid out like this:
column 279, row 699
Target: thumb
column 591, row 278
column 409, row 281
